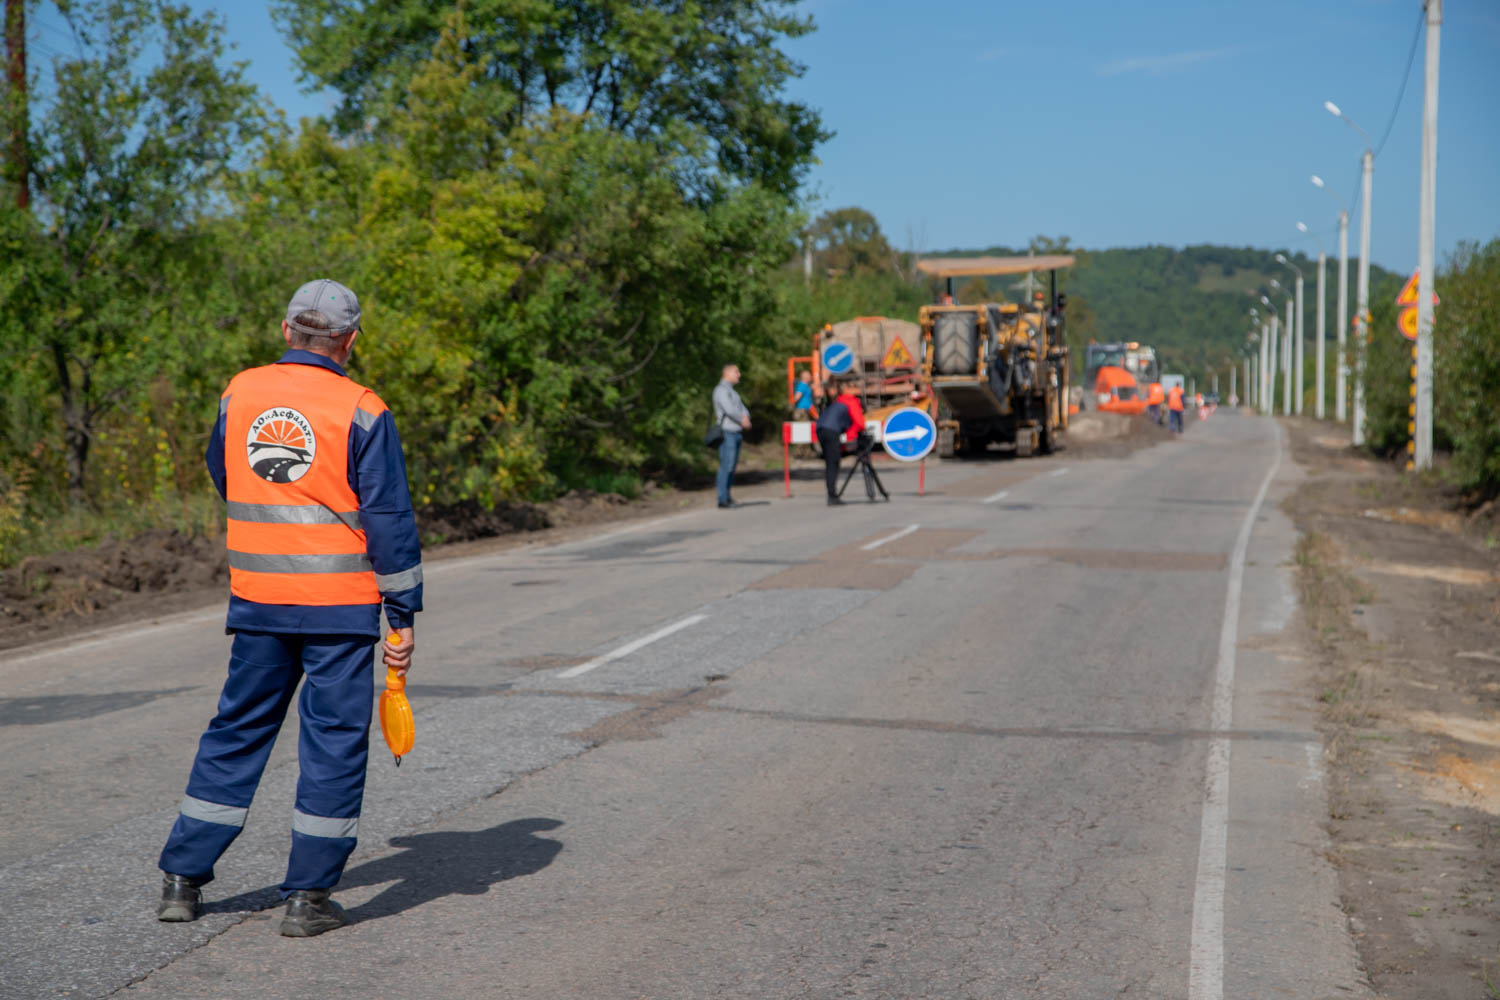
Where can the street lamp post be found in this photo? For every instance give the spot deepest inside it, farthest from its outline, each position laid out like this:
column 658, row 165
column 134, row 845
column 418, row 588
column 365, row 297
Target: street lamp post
column 1362, row 288
column 1422, row 418
column 1298, row 352
column 1322, row 310
column 1280, row 354
column 1341, row 362
column 1286, row 360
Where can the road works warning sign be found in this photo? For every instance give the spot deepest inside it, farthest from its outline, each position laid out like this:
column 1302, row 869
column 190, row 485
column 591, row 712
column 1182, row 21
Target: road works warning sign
column 897, row 356
column 1406, row 320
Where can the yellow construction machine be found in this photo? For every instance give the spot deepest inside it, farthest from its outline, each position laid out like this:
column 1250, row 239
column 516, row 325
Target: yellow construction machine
column 999, row 370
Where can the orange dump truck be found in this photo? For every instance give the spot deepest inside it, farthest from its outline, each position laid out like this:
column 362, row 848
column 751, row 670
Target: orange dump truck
column 1116, row 391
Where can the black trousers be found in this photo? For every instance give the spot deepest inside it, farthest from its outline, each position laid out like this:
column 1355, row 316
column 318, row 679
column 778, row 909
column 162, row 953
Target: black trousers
column 832, row 443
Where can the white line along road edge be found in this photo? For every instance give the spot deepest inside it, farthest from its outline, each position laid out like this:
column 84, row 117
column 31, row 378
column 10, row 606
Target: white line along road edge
column 1059, row 472
column 631, row 647
column 1206, row 957
column 877, row 543
column 996, row 496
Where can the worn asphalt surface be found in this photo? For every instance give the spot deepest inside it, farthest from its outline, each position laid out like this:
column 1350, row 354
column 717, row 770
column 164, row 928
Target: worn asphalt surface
column 967, row 762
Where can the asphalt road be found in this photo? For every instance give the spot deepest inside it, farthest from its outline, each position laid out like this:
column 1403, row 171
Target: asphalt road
column 995, row 741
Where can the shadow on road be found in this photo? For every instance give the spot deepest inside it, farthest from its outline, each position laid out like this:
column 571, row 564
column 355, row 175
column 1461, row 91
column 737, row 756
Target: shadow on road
column 433, row 865
column 453, row 863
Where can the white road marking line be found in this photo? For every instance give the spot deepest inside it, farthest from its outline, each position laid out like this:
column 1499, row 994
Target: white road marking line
column 996, row 496
column 630, row 647
column 1206, row 955
column 877, row 543
column 1059, row 472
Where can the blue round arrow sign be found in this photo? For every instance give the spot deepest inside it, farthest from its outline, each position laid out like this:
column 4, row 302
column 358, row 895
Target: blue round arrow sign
column 909, row 434
column 838, row 358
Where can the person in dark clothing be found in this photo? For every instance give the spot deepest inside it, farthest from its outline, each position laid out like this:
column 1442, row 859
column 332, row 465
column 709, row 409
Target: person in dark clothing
column 842, row 419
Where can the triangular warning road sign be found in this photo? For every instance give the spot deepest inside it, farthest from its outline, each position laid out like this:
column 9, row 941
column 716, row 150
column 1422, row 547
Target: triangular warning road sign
column 897, row 356
column 1408, row 296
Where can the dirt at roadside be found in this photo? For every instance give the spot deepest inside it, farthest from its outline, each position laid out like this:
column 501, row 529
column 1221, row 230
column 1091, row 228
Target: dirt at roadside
column 1400, row 594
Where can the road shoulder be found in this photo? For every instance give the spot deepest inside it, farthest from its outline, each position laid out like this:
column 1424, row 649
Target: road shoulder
column 1401, row 618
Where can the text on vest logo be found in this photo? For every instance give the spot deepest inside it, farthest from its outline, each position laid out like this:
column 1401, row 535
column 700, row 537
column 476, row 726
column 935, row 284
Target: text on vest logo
column 280, row 445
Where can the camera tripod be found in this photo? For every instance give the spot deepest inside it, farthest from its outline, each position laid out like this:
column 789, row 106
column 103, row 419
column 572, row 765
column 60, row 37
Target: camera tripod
column 862, row 463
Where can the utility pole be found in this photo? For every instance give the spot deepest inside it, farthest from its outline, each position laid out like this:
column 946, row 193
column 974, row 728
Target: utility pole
column 1422, row 456
column 1300, row 351
column 1273, row 358
column 18, row 166
column 1341, row 363
column 1286, row 371
column 1322, row 309
column 1362, row 297
column 1263, row 377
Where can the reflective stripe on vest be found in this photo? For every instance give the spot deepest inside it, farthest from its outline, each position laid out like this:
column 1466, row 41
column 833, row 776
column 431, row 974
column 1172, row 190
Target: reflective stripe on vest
column 295, row 535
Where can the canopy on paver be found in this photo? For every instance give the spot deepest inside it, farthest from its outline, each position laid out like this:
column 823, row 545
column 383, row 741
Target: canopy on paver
column 956, row 267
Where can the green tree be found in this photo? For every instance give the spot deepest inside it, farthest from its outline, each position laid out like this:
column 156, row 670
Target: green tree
column 848, row 241
column 647, row 70
column 127, row 146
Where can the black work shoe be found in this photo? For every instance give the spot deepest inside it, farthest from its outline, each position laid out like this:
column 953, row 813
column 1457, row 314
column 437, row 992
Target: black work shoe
column 181, row 899
column 309, row 912
column 835, row 502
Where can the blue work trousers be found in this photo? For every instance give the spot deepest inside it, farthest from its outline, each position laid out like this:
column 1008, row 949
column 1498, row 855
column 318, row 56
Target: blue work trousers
column 1176, row 421
column 729, row 457
column 334, row 745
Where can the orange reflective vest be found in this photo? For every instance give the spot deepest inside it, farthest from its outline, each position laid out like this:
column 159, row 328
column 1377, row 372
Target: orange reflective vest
column 1174, row 398
column 1154, row 395
column 294, row 533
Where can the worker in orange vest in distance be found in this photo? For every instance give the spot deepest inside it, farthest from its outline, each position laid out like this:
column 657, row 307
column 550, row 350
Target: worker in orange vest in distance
column 1154, row 398
column 1174, row 408
column 321, row 539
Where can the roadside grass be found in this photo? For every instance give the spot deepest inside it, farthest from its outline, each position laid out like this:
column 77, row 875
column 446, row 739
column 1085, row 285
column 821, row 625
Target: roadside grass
column 1328, row 595
column 199, row 514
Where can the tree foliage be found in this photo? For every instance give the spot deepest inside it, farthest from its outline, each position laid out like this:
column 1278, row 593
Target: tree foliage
column 126, row 148
column 654, row 70
column 1466, row 370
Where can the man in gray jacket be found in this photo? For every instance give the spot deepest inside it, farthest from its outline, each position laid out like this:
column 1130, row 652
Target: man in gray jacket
column 734, row 420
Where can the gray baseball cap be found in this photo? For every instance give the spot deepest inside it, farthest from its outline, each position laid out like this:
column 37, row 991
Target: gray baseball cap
column 330, row 298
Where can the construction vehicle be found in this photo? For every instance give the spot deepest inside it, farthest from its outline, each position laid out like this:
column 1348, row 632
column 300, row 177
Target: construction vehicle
column 997, row 370
column 1115, row 391
column 885, row 370
column 1137, row 359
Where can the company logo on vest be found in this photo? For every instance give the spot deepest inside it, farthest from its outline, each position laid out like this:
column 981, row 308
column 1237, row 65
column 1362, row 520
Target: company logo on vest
column 280, row 445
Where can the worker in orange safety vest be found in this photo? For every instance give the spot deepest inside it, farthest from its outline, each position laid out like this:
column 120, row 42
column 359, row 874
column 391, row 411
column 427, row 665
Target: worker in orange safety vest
column 1174, row 408
column 321, row 537
column 1154, row 398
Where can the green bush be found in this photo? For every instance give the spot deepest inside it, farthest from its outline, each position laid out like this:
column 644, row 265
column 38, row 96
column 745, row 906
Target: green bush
column 1466, row 371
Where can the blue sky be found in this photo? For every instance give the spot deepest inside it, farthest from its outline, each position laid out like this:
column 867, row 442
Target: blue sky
column 976, row 122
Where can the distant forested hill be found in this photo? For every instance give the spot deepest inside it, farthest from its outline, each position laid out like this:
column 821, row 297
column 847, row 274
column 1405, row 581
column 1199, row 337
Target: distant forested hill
column 1192, row 304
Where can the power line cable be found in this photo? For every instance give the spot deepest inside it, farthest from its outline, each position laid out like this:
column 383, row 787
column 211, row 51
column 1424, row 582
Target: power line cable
column 1411, row 57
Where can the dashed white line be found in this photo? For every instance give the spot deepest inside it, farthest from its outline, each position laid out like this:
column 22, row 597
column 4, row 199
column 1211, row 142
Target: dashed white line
column 996, row 496
column 1206, row 953
column 877, row 543
column 631, row 647
column 1059, row 472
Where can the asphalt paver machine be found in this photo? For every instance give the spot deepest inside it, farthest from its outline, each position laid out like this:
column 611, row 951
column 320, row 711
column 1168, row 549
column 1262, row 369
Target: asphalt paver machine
column 998, row 370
